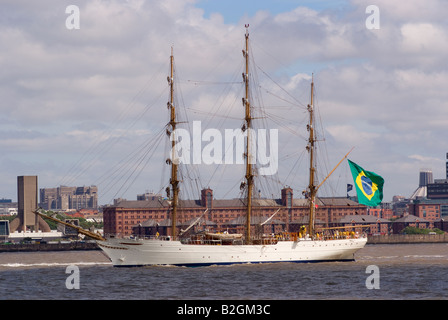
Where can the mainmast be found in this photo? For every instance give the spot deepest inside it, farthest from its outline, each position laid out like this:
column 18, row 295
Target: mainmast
column 248, row 126
column 174, row 161
column 311, row 148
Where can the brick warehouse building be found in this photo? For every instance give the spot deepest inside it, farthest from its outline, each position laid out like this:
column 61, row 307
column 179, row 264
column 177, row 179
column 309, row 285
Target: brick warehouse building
column 124, row 215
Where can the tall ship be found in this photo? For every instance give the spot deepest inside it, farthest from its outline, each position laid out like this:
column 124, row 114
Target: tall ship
column 183, row 248
column 208, row 248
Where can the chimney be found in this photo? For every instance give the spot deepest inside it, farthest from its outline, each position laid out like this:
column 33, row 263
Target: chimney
column 287, row 197
column 207, row 198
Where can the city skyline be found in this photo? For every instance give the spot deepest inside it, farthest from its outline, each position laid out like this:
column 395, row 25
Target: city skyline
column 75, row 101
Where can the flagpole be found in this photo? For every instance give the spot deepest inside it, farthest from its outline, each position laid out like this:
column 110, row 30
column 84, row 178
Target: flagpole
column 345, row 157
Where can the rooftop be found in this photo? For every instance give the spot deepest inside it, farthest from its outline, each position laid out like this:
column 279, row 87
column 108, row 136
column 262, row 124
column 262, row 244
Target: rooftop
column 231, row 203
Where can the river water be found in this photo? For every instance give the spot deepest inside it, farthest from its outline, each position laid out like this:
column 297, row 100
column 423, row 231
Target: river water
column 409, row 271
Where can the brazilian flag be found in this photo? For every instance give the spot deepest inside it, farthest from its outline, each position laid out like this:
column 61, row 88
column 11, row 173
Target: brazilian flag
column 369, row 185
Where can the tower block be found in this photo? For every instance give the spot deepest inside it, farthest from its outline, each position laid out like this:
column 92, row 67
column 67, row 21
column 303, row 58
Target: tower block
column 27, row 190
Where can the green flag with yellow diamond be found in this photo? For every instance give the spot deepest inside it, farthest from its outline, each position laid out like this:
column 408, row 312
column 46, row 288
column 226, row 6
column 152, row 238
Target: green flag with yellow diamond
column 369, row 185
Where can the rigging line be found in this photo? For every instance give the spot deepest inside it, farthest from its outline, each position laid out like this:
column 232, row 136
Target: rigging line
column 229, row 146
column 323, row 150
column 280, row 121
column 187, row 173
column 203, row 82
column 109, row 143
column 280, row 98
column 264, row 183
column 121, row 164
column 277, row 107
column 232, row 188
column 163, row 179
column 136, row 166
column 281, row 88
column 295, row 167
column 141, row 169
column 221, row 101
column 195, row 170
column 287, row 156
column 119, row 117
column 286, row 67
column 211, row 114
column 123, row 170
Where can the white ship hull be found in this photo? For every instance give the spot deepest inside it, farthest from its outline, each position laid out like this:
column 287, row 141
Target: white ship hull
column 140, row 252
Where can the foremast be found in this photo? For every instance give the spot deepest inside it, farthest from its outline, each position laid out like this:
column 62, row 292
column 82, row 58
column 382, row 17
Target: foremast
column 174, row 182
column 312, row 189
column 248, row 126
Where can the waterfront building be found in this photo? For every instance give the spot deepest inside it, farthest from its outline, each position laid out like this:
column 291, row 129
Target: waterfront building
column 409, row 221
column 438, row 189
column 376, row 225
column 125, row 215
column 65, row 198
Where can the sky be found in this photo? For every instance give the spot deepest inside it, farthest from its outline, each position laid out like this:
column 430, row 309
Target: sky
column 86, row 104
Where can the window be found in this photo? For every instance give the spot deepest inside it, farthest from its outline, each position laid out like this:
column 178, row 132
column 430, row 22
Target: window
column 209, row 200
column 289, row 200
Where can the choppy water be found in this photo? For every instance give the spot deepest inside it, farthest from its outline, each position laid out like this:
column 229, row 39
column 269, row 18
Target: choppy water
column 405, row 272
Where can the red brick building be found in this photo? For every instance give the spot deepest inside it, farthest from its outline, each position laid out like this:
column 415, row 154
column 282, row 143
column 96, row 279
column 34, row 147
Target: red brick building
column 121, row 218
column 409, row 221
column 381, row 213
column 427, row 211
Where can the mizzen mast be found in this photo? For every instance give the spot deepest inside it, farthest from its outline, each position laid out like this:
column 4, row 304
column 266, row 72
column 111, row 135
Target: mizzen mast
column 312, row 189
column 174, row 161
column 248, row 127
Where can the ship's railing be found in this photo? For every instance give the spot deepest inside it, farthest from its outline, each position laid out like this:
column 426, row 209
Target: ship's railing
column 215, row 242
column 338, row 233
column 334, row 234
column 154, row 237
column 323, row 235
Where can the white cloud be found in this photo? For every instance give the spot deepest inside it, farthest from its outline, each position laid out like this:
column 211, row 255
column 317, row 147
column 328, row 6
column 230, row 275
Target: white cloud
column 381, row 90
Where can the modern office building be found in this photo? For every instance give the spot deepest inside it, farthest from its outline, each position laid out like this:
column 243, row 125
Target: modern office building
column 64, row 198
column 430, row 201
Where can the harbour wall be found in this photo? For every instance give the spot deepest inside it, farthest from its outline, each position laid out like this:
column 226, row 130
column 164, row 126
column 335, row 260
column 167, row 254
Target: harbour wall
column 408, row 238
column 59, row 246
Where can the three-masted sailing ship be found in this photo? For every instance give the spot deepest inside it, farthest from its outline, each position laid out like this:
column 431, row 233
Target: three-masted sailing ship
column 214, row 248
